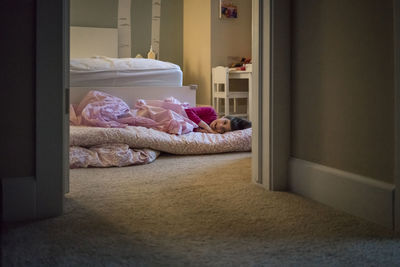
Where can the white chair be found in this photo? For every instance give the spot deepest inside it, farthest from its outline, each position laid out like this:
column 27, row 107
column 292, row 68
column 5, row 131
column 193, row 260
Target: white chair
column 220, row 89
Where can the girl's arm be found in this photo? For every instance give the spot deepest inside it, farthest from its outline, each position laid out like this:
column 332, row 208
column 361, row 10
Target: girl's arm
column 205, row 126
column 196, row 119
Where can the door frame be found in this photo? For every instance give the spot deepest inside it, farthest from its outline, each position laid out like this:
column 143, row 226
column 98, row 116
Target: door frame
column 260, row 163
column 52, row 107
column 396, row 73
column 271, row 93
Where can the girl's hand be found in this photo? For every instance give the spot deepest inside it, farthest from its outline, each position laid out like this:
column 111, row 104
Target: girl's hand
column 204, row 126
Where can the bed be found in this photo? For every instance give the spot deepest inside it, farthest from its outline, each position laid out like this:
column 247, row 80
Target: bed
column 95, row 65
column 116, row 72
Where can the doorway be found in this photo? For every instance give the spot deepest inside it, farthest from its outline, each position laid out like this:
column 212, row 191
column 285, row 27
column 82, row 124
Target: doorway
column 52, row 70
column 142, row 53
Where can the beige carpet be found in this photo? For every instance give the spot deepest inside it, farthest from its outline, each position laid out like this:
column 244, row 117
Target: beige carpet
column 193, row 211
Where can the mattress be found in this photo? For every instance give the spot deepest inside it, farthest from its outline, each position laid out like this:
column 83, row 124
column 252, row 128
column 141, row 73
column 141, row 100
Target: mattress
column 141, row 137
column 123, row 72
column 133, row 145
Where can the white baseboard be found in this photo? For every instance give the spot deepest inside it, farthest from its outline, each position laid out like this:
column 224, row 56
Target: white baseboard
column 352, row 193
column 18, row 198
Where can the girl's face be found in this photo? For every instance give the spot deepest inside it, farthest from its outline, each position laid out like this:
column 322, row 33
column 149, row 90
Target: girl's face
column 221, row 125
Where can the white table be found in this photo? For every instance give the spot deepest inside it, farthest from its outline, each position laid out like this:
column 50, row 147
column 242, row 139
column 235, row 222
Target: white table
column 243, row 74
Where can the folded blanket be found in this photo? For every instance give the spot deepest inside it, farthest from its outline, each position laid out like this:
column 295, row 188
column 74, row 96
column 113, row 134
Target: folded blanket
column 109, row 155
column 141, row 137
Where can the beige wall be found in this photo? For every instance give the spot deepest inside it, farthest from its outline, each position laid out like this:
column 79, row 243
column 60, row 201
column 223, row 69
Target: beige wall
column 197, row 47
column 230, row 37
column 171, row 31
column 210, row 41
column 342, row 85
column 94, row 13
column 18, row 89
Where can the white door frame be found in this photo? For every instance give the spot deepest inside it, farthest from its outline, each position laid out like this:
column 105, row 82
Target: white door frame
column 260, row 93
column 271, row 93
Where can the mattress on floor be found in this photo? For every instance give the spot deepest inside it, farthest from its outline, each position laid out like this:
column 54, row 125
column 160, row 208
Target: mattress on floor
column 119, row 72
column 141, row 137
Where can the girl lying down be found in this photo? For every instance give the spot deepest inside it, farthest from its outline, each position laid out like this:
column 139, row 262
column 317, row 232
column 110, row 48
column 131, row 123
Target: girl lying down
column 103, row 110
column 166, row 121
column 207, row 120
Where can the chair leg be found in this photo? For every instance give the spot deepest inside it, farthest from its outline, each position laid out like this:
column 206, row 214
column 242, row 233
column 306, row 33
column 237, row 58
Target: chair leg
column 248, row 108
column 212, row 97
column 226, row 106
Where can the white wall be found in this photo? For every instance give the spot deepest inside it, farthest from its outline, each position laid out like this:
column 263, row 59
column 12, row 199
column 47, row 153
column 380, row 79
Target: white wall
column 230, row 37
column 197, row 47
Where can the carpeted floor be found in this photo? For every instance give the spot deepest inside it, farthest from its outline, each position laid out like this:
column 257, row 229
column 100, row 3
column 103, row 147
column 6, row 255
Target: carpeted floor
column 193, row 211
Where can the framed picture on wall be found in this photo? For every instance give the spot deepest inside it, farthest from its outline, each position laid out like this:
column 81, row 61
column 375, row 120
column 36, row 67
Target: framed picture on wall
column 227, row 9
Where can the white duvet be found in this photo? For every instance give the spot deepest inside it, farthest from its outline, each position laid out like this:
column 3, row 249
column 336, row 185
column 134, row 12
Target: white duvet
column 102, row 63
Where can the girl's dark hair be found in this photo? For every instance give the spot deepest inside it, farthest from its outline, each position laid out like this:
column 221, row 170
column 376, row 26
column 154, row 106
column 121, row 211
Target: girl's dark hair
column 238, row 123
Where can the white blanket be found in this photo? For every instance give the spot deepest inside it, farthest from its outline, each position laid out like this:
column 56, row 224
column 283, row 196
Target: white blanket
column 101, row 63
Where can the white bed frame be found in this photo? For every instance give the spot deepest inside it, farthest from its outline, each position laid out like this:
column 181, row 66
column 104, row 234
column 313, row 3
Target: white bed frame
column 105, row 41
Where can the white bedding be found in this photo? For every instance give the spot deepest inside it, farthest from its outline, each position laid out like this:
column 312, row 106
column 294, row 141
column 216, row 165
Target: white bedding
column 115, row 72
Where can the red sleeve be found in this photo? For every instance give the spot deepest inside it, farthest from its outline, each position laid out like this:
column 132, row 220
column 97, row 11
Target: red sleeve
column 212, row 115
column 207, row 114
column 192, row 115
